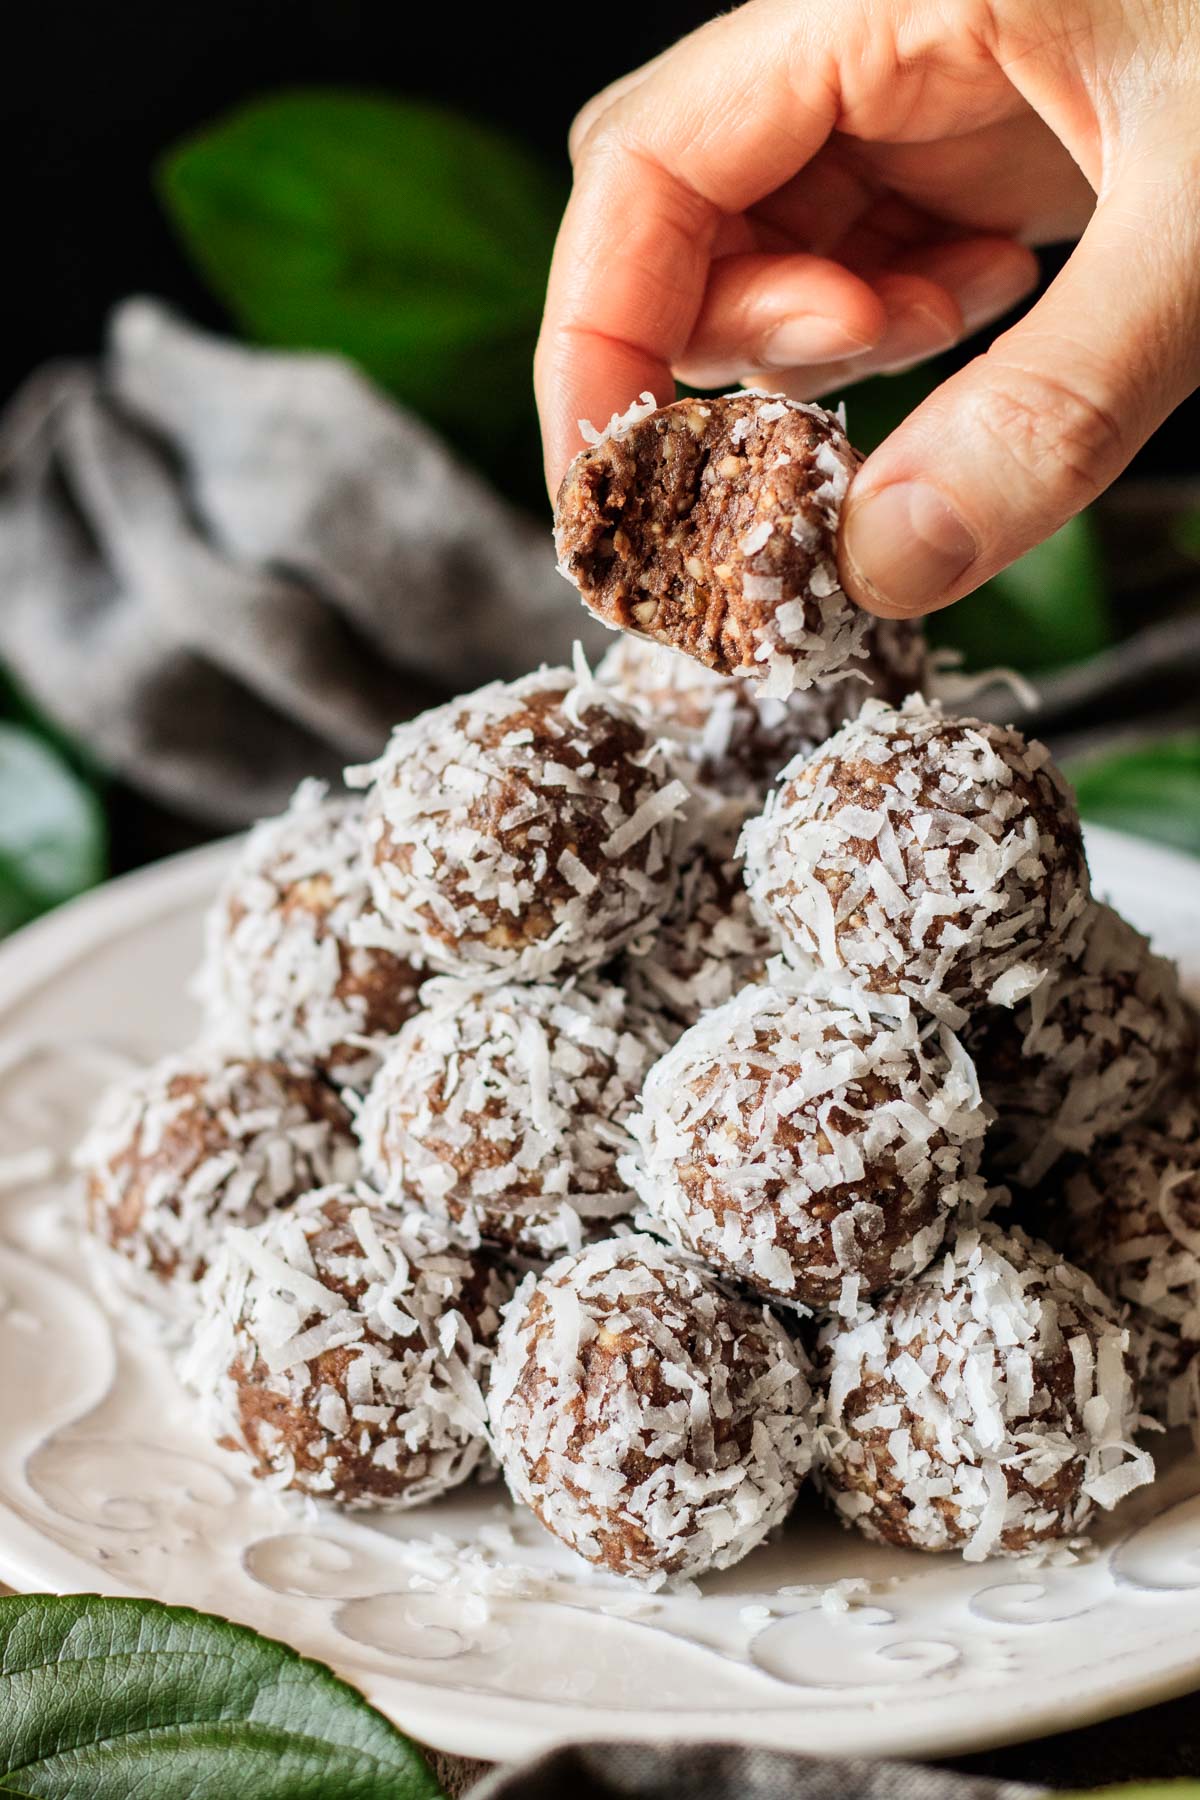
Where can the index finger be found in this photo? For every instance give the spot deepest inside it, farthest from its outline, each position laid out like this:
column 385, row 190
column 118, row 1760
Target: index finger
column 723, row 120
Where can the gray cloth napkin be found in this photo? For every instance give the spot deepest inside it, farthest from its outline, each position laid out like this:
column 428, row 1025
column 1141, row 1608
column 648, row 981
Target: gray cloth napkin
column 727, row 1772
column 223, row 569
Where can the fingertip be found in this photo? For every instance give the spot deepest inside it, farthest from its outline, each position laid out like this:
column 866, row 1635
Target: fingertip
column 904, row 549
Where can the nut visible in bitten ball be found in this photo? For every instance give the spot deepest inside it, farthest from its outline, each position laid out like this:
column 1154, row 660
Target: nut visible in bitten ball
column 345, row 1351
column 1093, row 1049
column 935, row 857
column 503, row 1110
column 1133, row 1222
column 737, row 740
column 198, row 1143
column 807, row 1143
column 298, row 962
column 530, row 828
column 711, row 526
column 989, row 1407
column 653, row 1421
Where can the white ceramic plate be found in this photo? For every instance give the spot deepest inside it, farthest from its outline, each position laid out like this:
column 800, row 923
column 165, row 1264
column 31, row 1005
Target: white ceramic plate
column 105, row 1485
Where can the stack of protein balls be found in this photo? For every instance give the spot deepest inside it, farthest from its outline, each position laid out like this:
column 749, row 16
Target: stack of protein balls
column 612, row 1081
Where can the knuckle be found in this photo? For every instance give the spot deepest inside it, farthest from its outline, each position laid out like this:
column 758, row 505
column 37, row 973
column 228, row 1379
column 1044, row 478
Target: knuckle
column 1051, row 431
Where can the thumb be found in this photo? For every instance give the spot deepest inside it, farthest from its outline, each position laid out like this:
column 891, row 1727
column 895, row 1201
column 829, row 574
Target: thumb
column 1016, row 443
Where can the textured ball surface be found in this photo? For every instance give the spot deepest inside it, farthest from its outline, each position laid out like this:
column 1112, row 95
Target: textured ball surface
column 1133, row 1216
column 654, row 1422
column 939, row 858
column 810, row 1145
column 345, row 1351
column 735, row 737
column 200, row 1142
column 298, row 962
column 711, row 526
column 503, row 1110
column 1093, row 1049
column 528, row 828
column 988, row 1407
column 709, row 944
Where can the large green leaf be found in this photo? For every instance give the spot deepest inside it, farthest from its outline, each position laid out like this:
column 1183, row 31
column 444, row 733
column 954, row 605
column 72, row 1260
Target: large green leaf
column 1049, row 608
column 101, row 1699
column 1153, row 790
column 52, row 836
column 409, row 238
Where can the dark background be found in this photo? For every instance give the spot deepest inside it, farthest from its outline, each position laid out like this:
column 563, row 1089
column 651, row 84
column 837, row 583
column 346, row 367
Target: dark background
column 94, row 94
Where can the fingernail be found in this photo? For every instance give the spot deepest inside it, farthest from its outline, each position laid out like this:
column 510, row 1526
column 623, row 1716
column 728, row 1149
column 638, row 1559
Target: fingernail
column 810, row 338
column 991, row 292
column 905, row 544
column 913, row 334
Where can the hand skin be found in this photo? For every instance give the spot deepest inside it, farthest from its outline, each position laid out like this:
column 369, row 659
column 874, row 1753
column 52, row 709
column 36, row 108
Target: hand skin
column 804, row 192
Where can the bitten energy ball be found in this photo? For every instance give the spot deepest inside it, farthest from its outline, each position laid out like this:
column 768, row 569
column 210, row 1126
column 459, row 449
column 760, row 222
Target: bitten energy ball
column 654, row 1422
column 934, row 857
column 987, row 1408
column 200, row 1142
column 346, row 1349
column 1094, row 1048
column 711, row 526
column 736, row 738
column 298, row 962
column 807, row 1144
column 529, row 828
column 503, row 1110
column 709, row 945
column 1134, row 1224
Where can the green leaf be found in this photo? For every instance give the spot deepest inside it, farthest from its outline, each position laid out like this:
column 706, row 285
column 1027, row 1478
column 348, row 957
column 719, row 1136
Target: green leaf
column 1049, row 608
column 101, row 1699
column 875, row 407
column 400, row 234
column 1153, row 790
column 52, row 836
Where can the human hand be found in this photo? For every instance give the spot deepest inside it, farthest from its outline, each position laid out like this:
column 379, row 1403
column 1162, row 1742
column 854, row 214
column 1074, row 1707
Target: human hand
column 798, row 195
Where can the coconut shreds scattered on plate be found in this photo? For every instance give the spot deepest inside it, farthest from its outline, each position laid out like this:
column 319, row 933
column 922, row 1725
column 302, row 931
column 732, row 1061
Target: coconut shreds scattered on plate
column 344, row 1350
column 201, row 1142
column 988, row 1406
column 553, row 995
column 1093, row 1049
column 656, row 1422
column 527, row 829
column 809, row 1139
column 503, row 1110
column 1134, row 1224
column 298, row 962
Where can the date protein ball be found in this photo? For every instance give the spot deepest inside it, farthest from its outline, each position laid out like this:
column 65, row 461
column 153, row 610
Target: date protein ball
column 1093, row 1049
column 502, row 1110
column 935, row 857
column 200, row 1142
column 345, row 1351
column 807, row 1144
column 988, row 1407
column 735, row 738
column 527, row 829
column 709, row 944
column 1134, row 1224
column 711, row 525
column 298, row 962
column 654, row 1422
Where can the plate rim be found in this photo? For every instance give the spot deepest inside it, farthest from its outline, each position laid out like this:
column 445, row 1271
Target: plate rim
column 494, row 1727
